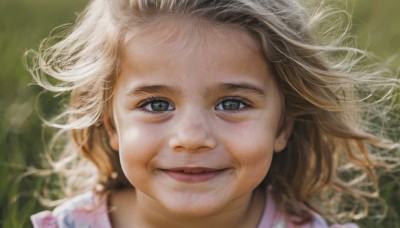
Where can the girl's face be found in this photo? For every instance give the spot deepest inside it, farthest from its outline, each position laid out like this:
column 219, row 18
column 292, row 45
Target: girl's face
column 197, row 118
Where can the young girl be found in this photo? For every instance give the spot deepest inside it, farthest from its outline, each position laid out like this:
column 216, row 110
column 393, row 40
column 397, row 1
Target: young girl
column 199, row 113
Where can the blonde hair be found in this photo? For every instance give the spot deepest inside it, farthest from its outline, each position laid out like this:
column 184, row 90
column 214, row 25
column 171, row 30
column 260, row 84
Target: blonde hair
column 334, row 94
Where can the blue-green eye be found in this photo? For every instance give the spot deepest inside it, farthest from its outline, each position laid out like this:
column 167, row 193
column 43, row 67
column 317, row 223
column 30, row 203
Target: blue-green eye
column 157, row 105
column 231, row 104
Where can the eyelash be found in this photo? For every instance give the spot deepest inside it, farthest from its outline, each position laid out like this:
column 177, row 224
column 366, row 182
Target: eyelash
column 243, row 102
column 149, row 101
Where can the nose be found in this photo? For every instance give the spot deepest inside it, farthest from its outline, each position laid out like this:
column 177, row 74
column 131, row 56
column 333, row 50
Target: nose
column 192, row 132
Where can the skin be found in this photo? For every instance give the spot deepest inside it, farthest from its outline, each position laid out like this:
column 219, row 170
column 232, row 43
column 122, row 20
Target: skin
column 221, row 109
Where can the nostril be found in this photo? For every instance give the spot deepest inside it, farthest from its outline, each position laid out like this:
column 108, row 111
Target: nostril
column 192, row 144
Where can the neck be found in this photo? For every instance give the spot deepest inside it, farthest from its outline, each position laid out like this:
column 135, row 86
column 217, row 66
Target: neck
column 135, row 209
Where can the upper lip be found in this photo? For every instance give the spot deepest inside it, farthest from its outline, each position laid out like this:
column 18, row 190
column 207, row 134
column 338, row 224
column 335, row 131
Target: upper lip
column 193, row 169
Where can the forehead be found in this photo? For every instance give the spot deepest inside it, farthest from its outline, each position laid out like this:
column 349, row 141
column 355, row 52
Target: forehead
column 179, row 35
column 192, row 56
column 170, row 50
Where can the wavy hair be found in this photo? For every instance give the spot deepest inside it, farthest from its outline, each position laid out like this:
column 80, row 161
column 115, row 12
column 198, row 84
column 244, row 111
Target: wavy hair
column 337, row 96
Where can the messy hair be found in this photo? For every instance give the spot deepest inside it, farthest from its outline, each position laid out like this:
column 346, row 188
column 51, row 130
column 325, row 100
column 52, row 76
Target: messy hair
column 337, row 97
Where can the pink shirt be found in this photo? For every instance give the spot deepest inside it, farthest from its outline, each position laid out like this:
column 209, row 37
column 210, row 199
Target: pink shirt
column 84, row 211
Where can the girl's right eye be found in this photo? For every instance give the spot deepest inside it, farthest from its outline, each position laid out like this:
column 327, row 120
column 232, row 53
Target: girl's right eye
column 156, row 105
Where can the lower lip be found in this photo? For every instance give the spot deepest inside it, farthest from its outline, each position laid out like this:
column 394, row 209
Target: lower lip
column 193, row 177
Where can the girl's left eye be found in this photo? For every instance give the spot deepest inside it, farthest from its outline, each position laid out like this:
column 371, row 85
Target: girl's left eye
column 156, row 105
column 231, row 104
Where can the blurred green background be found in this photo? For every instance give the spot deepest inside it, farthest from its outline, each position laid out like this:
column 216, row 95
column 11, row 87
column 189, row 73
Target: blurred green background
column 24, row 23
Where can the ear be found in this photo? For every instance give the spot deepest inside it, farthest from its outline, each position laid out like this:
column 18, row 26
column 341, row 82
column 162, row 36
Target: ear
column 283, row 135
column 112, row 133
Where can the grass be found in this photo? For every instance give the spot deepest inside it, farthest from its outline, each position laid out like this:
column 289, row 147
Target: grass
column 24, row 23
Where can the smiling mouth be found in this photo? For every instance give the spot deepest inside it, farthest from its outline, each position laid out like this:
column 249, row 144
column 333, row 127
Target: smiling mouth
column 193, row 174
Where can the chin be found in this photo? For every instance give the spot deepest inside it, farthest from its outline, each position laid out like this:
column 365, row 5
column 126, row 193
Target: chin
column 192, row 209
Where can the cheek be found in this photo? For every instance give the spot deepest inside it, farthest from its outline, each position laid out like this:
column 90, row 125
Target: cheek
column 138, row 145
column 251, row 146
column 251, row 140
column 254, row 160
column 254, row 157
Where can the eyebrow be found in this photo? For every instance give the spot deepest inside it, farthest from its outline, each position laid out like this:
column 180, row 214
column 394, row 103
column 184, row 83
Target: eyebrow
column 242, row 87
column 151, row 89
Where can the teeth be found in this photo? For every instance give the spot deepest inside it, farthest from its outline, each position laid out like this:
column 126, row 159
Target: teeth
column 193, row 171
column 197, row 171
